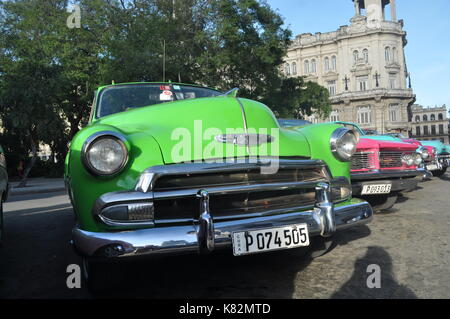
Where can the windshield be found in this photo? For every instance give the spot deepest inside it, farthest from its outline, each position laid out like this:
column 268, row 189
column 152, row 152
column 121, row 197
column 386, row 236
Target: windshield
column 120, row 98
column 292, row 122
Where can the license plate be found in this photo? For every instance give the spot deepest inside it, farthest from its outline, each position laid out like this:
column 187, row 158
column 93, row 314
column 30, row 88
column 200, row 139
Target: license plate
column 376, row 189
column 432, row 167
column 263, row 240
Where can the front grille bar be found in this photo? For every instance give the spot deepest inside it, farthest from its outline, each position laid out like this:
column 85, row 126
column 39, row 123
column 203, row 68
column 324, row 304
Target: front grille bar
column 229, row 190
column 148, row 179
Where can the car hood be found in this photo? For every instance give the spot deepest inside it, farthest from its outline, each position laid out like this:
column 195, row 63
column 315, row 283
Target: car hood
column 412, row 141
column 188, row 130
column 367, row 143
column 440, row 147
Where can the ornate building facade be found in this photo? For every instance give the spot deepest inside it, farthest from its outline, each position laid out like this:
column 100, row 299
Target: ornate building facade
column 430, row 123
column 362, row 65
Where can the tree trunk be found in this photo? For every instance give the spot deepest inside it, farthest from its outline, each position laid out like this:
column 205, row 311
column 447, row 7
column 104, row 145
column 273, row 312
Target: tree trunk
column 23, row 182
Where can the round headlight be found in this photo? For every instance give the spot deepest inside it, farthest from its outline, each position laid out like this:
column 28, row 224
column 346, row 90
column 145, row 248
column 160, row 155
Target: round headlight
column 424, row 153
column 418, row 159
column 343, row 144
column 105, row 154
column 408, row 159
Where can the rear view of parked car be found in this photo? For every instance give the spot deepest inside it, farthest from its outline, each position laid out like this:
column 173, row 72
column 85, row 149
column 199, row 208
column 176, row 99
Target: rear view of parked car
column 3, row 188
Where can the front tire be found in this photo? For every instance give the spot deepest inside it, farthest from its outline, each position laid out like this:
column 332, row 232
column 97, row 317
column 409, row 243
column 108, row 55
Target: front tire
column 1, row 221
column 319, row 247
column 382, row 202
column 440, row 173
column 97, row 275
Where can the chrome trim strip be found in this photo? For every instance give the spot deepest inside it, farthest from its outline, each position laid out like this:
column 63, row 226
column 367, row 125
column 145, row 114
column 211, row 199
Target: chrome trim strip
column 244, row 118
column 183, row 239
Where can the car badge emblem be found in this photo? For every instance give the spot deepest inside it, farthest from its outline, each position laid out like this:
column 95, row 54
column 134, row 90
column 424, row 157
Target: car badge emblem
column 245, row 139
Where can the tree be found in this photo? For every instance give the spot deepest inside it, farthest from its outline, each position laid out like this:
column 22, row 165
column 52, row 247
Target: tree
column 26, row 84
column 49, row 72
column 295, row 98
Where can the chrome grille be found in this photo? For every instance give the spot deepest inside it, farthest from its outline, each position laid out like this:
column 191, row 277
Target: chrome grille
column 236, row 190
column 363, row 160
column 391, row 159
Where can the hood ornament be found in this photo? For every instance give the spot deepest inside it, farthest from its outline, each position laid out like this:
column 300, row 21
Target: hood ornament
column 245, row 139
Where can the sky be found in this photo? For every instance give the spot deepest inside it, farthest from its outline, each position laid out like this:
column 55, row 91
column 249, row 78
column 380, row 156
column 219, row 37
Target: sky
column 428, row 34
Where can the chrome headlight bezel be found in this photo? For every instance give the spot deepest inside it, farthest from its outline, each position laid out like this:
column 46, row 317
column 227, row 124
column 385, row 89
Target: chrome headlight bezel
column 97, row 137
column 424, row 153
column 408, row 159
column 337, row 147
column 418, row 159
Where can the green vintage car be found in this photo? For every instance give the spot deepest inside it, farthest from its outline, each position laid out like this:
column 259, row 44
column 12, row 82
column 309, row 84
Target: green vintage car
column 168, row 168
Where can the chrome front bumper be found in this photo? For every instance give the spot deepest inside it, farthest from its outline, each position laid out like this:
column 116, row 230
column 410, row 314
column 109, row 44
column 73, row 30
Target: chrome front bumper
column 401, row 180
column 206, row 235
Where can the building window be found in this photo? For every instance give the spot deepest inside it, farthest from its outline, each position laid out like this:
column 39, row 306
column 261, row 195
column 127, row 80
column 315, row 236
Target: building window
column 306, row 67
column 355, row 55
column 394, row 54
column 334, row 117
column 433, row 129
column 313, row 119
column 441, row 129
column 393, row 113
column 331, row 87
column 334, row 62
column 418, row 130
column 425, row 118
column 294, row 68
column 441, row 117
column 425, row 130
column 366, row 55
column 387, row 54
column 313, row 66
column 417, row 118
column 433, row 117
column 287, row 69
column 327, row 64
column 364, row 115
column 392, row 81
column 362, row 83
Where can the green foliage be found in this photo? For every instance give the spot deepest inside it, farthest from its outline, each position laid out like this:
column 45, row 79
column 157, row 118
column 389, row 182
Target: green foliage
column 48, row 72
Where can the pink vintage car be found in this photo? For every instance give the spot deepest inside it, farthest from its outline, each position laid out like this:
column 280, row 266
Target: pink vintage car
column 431, row 161
column 380, row 170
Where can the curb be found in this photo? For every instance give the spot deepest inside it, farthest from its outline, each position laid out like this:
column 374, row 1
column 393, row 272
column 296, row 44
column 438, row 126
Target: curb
column 15, row 191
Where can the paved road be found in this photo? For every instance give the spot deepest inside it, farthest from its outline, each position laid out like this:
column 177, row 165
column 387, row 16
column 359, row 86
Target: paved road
column 411, row 244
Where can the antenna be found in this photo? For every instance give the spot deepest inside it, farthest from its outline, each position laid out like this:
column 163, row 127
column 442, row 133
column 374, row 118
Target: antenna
column 164, row 60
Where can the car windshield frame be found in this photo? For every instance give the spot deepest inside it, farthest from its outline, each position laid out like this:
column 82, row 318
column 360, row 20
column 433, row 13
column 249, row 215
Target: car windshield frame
column 100, row 95
column 300, row 122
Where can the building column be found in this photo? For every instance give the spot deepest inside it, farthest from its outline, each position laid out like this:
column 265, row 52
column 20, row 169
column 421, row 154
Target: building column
column 357, row 9
column 393, row 11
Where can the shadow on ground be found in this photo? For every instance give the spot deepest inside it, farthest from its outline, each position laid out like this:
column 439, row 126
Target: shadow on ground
column 357, row 288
